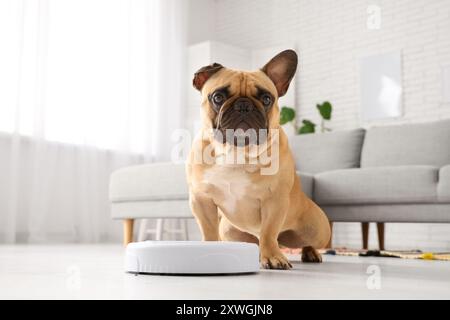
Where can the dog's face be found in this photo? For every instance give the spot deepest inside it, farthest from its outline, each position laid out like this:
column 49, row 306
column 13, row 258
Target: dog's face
column 244, row 103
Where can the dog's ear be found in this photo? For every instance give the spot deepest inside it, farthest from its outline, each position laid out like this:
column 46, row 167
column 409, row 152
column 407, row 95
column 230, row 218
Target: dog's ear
column 281, row 69
column 203, row 74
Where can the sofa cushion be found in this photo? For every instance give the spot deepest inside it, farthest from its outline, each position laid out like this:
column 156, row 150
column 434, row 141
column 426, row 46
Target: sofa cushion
column 411, row 144
column 387, row 185
column 307, row 183
column 444, row 184
column 159, row 181
column 163, row 181
column 315, row 153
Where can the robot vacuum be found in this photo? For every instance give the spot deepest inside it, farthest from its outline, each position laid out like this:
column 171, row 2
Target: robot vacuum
column 191, row 257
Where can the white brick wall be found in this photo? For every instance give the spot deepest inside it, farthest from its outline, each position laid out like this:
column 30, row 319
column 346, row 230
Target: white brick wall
column 331, row 36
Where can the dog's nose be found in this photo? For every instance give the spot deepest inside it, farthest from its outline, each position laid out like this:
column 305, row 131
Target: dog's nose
column 243, row 105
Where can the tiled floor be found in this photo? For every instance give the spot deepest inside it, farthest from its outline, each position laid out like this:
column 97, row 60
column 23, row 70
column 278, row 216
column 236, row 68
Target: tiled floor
column 96, row 272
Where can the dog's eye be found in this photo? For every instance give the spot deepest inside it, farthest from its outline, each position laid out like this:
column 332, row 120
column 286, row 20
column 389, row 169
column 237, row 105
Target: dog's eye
column 218, row 98
column 266, row 100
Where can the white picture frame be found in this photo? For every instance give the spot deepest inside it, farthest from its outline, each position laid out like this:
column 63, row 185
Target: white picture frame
column 381, row 86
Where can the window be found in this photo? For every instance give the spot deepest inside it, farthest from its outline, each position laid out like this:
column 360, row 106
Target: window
column 75, row 71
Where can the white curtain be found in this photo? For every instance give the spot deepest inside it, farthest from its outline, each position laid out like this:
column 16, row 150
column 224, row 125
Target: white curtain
column 86, row 86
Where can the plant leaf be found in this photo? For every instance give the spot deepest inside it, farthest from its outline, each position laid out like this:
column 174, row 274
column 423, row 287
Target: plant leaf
column 325, row 110
column 307, row 127
column 286, row 115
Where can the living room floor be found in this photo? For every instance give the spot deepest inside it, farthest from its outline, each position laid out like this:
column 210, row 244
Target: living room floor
column 96, row 272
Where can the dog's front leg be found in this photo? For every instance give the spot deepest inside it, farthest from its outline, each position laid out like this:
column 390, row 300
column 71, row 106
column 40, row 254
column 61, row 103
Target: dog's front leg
column 205, row 211
column 273, row 213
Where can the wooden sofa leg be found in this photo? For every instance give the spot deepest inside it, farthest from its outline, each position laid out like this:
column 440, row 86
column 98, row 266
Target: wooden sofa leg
column 380, row 230
column 365, row 234
column 128, row 231
column 330, row 243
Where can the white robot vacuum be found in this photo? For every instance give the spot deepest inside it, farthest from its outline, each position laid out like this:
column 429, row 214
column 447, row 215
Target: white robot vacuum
column 191, row 257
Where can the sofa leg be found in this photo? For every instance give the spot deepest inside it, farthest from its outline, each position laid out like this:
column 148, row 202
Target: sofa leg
column 128, row 231
column 380, row 230
column 330, row 243
column 365, row 234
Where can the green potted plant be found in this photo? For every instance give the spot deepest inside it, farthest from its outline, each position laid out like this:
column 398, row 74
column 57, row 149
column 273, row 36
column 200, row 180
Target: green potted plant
column 287, row 116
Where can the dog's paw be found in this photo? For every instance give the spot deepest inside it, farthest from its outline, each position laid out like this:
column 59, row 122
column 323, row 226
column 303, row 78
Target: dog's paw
column 276, row 261
column 309, row 254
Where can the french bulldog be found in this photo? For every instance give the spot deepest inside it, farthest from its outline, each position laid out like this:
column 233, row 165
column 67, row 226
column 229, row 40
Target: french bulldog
column 241, row 173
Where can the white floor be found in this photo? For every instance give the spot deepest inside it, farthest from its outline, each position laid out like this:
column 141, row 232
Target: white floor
column 96, row 272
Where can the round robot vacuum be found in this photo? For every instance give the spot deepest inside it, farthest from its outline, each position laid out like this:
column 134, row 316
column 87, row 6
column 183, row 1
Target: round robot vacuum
column 191, row 257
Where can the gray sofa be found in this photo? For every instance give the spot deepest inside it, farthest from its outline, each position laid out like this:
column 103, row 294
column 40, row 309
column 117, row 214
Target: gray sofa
column 383, row 174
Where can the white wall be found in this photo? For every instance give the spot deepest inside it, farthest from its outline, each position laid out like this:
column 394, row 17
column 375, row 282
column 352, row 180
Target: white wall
column 331, row 37
column 200, row 20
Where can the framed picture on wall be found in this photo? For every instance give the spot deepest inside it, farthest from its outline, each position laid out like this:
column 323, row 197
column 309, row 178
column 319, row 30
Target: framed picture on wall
column 381, row 86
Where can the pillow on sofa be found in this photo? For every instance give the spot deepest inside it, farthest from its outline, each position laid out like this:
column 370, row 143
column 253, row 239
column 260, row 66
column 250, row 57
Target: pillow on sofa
column 321, row 152
column 407, row 144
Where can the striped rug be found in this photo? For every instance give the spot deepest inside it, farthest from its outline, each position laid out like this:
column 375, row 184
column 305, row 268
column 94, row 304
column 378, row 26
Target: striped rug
column 408, row 254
